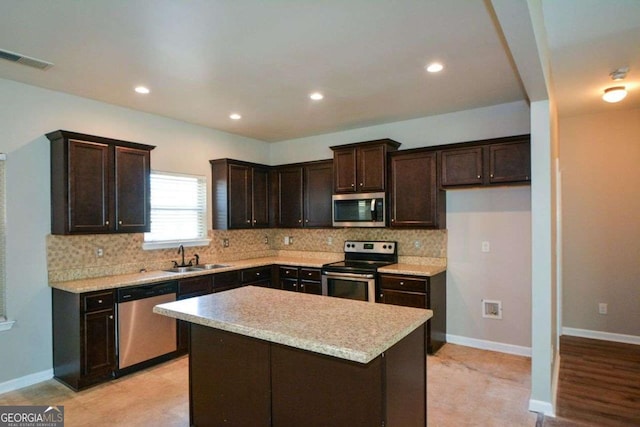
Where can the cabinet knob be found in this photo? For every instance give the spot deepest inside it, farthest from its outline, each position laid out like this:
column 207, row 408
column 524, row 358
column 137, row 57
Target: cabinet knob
column 393, row 220
column 106, row 223
column 479, row 176
column 119, row 222
column 306, row 220
column 248, row 221
column 299, row 221
column 491, row 175
column 309, row 274
column 99, row 301
column 353, row 185
column 111, row 317
column 301, row 286
column 257, row 274
column 527, row 178
column 360, row 184
column 381, row 295
column 401, row 283
column 255, row 220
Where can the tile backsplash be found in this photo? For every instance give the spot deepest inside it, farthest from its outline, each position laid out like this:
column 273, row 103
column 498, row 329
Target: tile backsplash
column 76, row 257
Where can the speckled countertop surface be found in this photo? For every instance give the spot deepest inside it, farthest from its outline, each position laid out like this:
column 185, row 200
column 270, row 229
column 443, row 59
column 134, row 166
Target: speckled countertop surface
column 413, row 269
column 121, row 280
column 353, row 330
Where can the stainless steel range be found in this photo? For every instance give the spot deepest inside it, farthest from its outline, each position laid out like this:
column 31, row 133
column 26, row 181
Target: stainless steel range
column 356, row 276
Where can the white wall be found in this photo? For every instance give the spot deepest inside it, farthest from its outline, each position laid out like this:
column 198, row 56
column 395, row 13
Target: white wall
column 479, row 123
column 600, row 156
column 501, row 215
column 26, row 114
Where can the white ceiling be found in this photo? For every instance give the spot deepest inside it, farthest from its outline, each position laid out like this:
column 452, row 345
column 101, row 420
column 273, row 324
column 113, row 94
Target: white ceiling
column 204, row 59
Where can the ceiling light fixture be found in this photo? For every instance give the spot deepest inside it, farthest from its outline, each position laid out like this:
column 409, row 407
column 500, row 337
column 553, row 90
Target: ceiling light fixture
column 141, row 89
column 235, row 116
column 616, row 93
column 316, row 96
column 434, row 67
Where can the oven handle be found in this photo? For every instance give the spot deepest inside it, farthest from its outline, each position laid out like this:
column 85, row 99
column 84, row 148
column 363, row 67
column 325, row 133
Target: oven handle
column 347, row 275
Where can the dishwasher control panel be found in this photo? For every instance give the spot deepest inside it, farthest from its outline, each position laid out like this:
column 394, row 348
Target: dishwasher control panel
column 146, row 291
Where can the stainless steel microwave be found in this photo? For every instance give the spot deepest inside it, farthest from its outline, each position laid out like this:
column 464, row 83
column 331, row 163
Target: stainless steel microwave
column 359, row 210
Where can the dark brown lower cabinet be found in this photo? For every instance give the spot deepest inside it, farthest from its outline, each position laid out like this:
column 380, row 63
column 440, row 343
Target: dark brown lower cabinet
column 84, row 351
column 300, row 279
column 244, row 381
column 420, row 292
column 189, row 288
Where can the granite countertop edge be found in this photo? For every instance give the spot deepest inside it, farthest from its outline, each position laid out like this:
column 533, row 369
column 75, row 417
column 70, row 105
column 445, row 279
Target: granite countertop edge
column 143, row 278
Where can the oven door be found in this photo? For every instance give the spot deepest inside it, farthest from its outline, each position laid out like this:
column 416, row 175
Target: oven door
column 361, row 287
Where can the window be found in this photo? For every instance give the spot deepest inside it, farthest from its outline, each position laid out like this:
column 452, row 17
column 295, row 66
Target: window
column 178, row 211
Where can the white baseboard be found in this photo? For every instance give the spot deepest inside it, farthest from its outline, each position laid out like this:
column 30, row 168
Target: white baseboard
column 599, row 335
column 26, row 381
column 545, row 408
column 489, row 345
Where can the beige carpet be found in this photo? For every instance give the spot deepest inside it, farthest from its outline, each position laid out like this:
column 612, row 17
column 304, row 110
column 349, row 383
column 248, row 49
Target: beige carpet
column 466, row 387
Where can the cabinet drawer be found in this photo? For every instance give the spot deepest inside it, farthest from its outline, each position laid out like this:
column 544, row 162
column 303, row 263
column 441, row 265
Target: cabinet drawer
column 288, row 272
column 255, row 274
column 312, row 274
column 197, row 285
column 403, row 283
column 406, row 299
column 225, row 280
column 98, row 301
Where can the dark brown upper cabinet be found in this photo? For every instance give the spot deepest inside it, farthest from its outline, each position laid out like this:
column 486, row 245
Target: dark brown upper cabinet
column 414, row 197
column 303, row 196
column 361, row 167
column 99, row 185
column 240, row 194
column 490, row 162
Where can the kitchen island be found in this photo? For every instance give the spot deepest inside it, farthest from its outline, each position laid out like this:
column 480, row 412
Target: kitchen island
column 263, row 357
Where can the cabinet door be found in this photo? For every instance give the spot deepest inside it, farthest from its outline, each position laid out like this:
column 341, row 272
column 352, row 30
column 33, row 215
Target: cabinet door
column 290, row 197
column 308, row 287
column 89, row 187
column 406, row 299
column 289, row 284
column 132, row 188
column 239, row 196
column 413, row 195
column 344, row 168
column 371, row 168
column 318, row 188
column 462, row 166
column 509, row 162
column 260, row 194
column 99, row 342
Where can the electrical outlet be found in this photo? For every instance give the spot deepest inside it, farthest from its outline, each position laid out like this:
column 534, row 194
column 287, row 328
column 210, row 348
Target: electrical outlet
column 329, row 240
column 602, row 308
column 287, row 240
column 99, row 252
column 486, row 246
column 266, row 240
column 225, row 243
column 417, row 244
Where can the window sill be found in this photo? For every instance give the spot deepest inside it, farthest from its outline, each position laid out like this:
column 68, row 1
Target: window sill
column 149, row 246
column 5, row 325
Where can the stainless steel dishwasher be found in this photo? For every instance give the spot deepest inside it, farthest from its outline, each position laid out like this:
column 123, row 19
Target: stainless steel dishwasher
column 142, row 334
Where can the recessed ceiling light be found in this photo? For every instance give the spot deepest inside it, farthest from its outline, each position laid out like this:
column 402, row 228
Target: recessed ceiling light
column 614, row 94
column 316, row 96
column 434, row 67
column 143, row 90
column 235, row 116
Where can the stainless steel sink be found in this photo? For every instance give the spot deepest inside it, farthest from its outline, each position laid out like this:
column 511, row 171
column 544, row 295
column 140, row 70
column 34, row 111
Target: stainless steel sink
column 198, row 267
column 209, row 266
column 182, row 269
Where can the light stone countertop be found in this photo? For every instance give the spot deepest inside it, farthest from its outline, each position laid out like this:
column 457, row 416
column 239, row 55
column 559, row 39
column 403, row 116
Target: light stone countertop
column 353, row 330
column 134, row 279
column 122, row 280
column 413, row 269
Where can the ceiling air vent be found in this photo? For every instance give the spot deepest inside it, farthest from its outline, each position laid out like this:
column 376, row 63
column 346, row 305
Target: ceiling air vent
column 25, row 60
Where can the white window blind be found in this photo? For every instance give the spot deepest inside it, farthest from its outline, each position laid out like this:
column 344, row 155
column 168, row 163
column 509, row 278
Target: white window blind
column 3, row 247
column 178, row 210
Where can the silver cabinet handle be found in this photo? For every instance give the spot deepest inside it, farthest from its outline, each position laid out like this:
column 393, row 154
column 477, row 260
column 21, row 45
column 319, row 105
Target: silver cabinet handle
column 111, row 317
column 478, row 176
column 106, row 223
column 491, row 175
column 360, row 184
column 248, row 221
column 353, row 185
column 299, row 221
column 99, row 301
column 119, row 222
column 401, row 283
column 257, row 274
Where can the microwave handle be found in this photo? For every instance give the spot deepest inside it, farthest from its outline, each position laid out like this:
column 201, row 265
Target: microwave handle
column 374, row 213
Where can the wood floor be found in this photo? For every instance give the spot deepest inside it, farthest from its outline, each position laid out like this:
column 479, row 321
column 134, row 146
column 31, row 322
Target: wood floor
column 599, row 384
